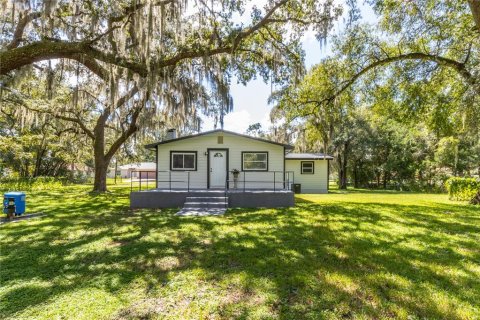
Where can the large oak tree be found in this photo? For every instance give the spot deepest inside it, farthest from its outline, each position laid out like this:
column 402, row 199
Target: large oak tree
column 134, row 62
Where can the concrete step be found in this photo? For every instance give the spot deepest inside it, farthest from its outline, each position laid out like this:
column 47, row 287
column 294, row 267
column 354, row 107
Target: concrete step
column 206, row 199
column 210, row 193
column 222, row 204
column 201, row 211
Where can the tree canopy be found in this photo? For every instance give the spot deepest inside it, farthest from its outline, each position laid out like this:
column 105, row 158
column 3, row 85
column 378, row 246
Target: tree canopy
column 142, row 64
column 398, row 100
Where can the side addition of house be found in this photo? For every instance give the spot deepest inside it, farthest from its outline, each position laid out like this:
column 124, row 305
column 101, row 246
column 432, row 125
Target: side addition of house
column 311, row 171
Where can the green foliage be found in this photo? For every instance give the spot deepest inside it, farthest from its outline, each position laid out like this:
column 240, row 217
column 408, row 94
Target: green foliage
column 255, row 130
column 463, row 189
column 390, row 103
column 33, row 183
column 37, row 144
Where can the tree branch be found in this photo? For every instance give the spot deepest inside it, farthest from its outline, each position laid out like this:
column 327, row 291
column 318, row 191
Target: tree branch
column 86, row 54
column 120, row 102
column 21, row 101
column 22, row 23
column 92, row 65
column 87, row 131
column 446, row 62
column 263, row 22
column 38, row 51
column 132, row 128
column 475, row 9
column 137, row 6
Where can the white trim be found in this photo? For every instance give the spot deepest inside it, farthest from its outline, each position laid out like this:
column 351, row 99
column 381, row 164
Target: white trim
column 255, row 161
column 183, row 154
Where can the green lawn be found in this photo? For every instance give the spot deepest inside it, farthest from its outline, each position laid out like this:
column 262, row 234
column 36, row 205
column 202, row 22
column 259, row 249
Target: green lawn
column 359, row 255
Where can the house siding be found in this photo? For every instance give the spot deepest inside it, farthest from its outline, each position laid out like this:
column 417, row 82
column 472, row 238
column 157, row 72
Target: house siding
column 235, row 145
column 311, row 183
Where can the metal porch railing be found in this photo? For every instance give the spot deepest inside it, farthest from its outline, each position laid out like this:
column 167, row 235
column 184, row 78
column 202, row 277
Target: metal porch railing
column 284, row 178
column 271, row 180
column 182, row 177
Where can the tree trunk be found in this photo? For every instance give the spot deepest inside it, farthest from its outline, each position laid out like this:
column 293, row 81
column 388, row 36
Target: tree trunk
column 342, row 168
column 116, row 167
column 101, row 163
column 340, row 172
column 102, row 159
column 38, row 161
column 27, row 170
column 342, row 179
column 100, row 182
column 355, row 176
column 476, row 198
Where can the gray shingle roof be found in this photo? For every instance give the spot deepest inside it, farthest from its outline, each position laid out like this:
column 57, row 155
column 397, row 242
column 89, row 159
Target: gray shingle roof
column 153, row 145
column 308, row 156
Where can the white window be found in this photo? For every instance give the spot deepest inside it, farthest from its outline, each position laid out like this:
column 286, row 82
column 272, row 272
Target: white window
column 255, row 161
column 307, row 167
column 183, row 160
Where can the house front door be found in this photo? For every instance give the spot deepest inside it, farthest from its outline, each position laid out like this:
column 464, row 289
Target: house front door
column 218, row 168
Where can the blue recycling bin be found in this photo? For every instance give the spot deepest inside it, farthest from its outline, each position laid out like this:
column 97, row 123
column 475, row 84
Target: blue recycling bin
column 14, row 202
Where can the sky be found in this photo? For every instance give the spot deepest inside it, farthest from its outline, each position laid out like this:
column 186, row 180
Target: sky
column 250, row 102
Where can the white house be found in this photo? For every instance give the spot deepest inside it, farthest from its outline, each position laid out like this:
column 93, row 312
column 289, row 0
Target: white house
column 207, row 161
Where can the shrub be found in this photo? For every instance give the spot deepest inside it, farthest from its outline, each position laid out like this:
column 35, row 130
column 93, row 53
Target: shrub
column 462, row 188
column 32, row 184
column 78, row 177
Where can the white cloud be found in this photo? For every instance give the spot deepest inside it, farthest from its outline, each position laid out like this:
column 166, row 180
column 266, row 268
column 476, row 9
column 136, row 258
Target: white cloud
column 238, row 121
column 207, row 123
column 265, row 122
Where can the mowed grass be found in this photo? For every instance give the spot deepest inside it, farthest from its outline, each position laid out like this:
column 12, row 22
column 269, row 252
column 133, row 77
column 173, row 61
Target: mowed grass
column 355, row 255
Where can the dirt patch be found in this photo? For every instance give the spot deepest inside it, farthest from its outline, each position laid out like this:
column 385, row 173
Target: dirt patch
column 167, row 263
column 118, row 243
column 143, row 309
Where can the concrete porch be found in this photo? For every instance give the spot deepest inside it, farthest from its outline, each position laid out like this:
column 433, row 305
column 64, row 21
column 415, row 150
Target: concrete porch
column 237, row 198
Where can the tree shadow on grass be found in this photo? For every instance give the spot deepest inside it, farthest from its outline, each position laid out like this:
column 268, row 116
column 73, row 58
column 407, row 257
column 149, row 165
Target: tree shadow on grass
column 311, row 261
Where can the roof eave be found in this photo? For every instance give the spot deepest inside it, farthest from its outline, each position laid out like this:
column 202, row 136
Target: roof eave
column 156, row 144
column 326, row 158
column 322, row 158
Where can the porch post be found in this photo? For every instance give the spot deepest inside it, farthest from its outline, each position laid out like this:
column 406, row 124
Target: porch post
column 156, row 167
column 244, row 180
column 274, row 181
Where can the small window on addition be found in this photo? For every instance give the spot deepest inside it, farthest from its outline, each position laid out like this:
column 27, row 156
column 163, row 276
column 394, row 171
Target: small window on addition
column 307, row 167
column 220, row 139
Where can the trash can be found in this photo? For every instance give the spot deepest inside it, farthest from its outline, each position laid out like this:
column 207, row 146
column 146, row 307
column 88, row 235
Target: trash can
column 14, row 202
column 297, row 187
